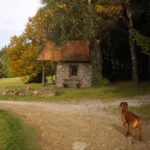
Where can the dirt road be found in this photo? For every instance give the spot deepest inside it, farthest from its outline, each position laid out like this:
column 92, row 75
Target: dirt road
column 77, row 126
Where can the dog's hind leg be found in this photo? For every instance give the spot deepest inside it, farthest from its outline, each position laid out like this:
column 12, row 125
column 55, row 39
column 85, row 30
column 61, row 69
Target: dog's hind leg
column 139, row 132
column 133, row 134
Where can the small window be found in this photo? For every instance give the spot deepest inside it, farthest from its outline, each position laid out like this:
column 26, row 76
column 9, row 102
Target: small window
column 73, row 69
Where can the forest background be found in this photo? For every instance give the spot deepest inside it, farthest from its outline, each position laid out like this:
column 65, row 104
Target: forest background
column 118, row 32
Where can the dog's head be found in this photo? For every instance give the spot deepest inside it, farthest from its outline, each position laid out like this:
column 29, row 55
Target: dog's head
column 124, row 105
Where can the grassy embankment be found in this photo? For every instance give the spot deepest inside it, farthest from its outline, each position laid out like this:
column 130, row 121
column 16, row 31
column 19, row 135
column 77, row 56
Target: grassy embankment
column 14, row 134
column 51, row 93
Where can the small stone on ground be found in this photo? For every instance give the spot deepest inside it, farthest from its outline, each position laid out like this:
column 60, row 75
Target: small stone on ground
column 79, row 145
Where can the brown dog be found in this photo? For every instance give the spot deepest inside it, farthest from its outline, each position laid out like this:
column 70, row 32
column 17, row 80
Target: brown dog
column 130, row 119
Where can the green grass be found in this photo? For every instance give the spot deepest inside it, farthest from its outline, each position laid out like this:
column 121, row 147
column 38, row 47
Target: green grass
column 110, row 92
column 106, row 93
column 142, row 111
column 14, row 134
column 10, row 82
column 16, row 83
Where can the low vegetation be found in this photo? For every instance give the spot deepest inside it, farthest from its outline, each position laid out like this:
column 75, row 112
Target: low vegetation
column 37, row 92
column 111, row 92
column 14, row 134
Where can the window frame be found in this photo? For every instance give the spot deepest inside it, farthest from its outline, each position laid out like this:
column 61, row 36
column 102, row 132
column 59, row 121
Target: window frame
column 73, row 70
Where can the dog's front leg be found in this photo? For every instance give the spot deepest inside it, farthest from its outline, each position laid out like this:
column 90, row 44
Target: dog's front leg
column 128, row 129
column 124, row 127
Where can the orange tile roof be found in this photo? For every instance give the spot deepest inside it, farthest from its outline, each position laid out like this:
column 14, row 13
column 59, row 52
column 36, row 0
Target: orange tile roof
column 72, row 51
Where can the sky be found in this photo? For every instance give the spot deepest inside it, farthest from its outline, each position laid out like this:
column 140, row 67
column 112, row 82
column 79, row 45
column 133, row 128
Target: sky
column 14, row 15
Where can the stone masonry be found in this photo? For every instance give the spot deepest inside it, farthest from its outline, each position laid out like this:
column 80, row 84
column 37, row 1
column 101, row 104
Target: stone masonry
column 84, row 73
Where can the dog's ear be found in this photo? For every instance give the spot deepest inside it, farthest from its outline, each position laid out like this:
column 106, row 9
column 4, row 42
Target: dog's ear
column 120, row 104
column 126, row 104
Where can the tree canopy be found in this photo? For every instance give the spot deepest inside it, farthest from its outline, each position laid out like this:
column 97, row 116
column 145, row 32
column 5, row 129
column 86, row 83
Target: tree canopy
column 105, row 23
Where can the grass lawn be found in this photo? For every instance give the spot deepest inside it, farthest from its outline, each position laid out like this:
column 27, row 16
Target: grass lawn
column 51, row 93
column 10, row 82
column 111, row 92
column 14, row 134
column 15, row 83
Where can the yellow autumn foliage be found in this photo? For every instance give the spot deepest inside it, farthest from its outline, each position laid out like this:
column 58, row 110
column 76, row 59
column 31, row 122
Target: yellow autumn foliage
column 110, row 10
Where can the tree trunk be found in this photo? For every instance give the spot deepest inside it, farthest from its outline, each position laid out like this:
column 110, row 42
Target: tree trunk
column 96, row 61
column 148, row 68
column 43, row 72
column 131, row 42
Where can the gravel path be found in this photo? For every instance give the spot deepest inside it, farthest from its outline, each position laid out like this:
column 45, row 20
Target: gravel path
column 78, row 126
